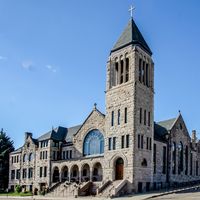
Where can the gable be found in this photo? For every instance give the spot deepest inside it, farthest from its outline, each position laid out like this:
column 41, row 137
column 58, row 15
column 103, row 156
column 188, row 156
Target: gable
column 179, row 129
column 95, row 121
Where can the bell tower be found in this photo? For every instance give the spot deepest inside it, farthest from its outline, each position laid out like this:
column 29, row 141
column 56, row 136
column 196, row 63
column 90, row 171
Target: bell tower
column 129, row 110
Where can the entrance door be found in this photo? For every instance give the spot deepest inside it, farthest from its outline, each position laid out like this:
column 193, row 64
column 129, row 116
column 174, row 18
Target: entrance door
column 119, row 169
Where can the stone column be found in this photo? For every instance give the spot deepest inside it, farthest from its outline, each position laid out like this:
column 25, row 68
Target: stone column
column 79, row 174
column 91, row 174
column 60, row 176
column 69, row 175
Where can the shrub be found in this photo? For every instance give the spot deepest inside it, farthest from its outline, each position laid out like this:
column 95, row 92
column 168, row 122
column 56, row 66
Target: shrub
column 18, row 188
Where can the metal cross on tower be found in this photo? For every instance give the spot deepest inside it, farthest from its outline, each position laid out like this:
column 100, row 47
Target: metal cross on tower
column 131, row 10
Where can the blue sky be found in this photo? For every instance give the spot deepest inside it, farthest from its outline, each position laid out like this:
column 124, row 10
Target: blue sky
column 53, row 57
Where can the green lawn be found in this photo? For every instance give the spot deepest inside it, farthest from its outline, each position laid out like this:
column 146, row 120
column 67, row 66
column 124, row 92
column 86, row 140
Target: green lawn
column 16, row 194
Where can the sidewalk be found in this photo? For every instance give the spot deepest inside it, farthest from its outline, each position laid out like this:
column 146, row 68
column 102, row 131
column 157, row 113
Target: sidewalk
column 131, row 197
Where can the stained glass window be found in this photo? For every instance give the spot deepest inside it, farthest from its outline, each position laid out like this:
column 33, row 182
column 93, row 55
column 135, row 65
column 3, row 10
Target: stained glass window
column 93, row 143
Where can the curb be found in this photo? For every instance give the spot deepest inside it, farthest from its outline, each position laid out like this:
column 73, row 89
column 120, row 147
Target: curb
column 172, row 192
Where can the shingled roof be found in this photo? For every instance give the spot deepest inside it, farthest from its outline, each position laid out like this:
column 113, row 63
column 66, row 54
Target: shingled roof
column 58, row 134
column 131, row 35
column 71, row 132
column 161, row 128
column 167, row 124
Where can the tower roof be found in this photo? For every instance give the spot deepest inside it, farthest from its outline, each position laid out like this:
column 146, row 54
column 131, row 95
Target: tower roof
column 131, row 35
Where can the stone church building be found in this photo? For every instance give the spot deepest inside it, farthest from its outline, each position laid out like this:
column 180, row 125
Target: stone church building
column 121, row 151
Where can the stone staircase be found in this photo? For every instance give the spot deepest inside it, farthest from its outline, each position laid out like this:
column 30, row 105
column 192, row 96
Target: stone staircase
column 104, row 189
column 95, row 187
column 54, row 186
column 62, row 190
column 111, row 189
column 85, row 189
column 103, row 186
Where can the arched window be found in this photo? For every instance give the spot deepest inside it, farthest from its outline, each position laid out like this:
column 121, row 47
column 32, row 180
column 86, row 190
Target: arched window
column 186, row 160
column 24, row 158
column 127, row 70
column 147, row 75
column 143, row 72
column 116, row 73
column 118, row 117
column 144, row 162
column 191, row 163
column 93, row 143
column 174, row 158
column 122, row 71
column 180, row 157
column 140, row 70
column 31, row 156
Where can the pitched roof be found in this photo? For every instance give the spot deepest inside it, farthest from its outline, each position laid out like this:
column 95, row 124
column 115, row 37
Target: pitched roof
column 35, row 141
column 71, row 132
column 161, row 128
column 58, row 134
column 19, row 150
column 168, row 124
column 131, row 35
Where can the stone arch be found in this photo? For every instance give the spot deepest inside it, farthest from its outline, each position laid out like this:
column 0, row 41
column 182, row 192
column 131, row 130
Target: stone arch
column 64, row 173
column 116, row 59
column 74, row 173
column 97, row 172
column 56, row 174
column 119, row 168
column 115, row 157
column 85, row 172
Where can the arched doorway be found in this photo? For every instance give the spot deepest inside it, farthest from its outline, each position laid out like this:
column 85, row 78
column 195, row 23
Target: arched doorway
column 97, row 174
column 56, row 175
column 85, row 172
column 119, row 169
column 64, row 173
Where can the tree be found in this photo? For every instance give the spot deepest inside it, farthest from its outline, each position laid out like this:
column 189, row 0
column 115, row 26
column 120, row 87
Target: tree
column 6, row 146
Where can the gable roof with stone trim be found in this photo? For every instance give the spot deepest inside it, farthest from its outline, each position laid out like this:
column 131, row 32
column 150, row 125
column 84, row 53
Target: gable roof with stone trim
column 94, row 110
column 131, row 35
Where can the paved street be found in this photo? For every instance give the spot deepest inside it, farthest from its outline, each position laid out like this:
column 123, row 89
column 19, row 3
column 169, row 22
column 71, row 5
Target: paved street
column 181, row 196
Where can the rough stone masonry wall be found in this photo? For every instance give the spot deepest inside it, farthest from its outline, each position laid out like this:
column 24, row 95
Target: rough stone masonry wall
column 96, row 120
column 120, row 97
column 28, row 164
column 144, row 98
column 179, row 134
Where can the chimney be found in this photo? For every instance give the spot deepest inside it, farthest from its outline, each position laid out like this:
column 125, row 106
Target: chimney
column 194, row 136
column 28, row 134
